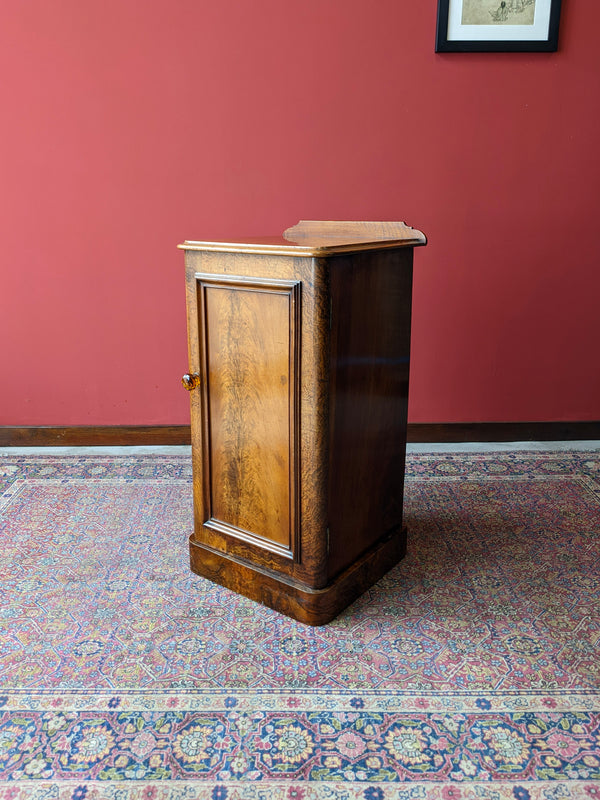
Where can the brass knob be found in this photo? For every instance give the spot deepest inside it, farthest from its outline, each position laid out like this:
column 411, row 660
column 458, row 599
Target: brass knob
column 191, row 382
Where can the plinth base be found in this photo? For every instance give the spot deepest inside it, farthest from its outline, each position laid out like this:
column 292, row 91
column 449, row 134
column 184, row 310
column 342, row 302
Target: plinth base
column 294, row 599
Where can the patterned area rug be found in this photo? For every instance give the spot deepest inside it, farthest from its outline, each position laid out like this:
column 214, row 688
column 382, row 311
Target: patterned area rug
column 470, row 672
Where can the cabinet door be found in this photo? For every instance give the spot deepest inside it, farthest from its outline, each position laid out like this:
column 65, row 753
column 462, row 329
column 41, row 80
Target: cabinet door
column 249, row 351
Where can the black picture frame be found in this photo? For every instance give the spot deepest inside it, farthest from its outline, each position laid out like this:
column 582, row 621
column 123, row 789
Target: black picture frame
column 503, row 43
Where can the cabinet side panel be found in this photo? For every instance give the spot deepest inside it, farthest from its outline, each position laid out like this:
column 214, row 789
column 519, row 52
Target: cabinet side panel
column 370, row 352
column 250, row 363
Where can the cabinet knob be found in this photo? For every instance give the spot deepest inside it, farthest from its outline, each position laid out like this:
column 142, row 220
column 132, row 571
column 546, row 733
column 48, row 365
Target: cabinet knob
column 190, row 382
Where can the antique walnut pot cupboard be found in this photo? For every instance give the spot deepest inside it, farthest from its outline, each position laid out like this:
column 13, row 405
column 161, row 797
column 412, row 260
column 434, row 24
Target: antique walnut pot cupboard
column 299, row 362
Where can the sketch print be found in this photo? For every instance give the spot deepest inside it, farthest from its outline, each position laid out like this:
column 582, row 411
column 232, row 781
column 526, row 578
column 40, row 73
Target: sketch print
column 503, row 12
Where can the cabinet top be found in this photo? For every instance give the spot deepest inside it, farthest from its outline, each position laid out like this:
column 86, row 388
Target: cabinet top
column 321, row 238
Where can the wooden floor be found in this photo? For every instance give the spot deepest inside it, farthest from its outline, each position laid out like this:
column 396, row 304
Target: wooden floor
column 430, row 447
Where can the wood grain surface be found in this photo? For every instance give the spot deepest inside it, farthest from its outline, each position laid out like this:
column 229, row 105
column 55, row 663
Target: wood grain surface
column 299, row 421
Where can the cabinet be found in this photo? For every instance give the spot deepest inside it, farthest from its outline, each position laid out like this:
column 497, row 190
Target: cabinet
column 299, row 352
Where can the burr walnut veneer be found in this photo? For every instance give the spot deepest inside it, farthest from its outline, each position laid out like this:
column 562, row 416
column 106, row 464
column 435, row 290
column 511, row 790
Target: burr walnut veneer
column 299, row 363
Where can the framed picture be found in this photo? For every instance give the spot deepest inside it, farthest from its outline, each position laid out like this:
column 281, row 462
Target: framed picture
column 499, row 26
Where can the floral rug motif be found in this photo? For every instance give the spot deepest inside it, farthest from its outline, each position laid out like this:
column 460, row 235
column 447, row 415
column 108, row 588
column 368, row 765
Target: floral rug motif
column 470, row 672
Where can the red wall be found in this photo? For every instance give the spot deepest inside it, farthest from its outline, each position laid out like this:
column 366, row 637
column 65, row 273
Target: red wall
column 129, row 126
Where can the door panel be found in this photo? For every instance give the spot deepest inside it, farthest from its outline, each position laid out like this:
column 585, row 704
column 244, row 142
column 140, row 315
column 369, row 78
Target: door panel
column 250, row 354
